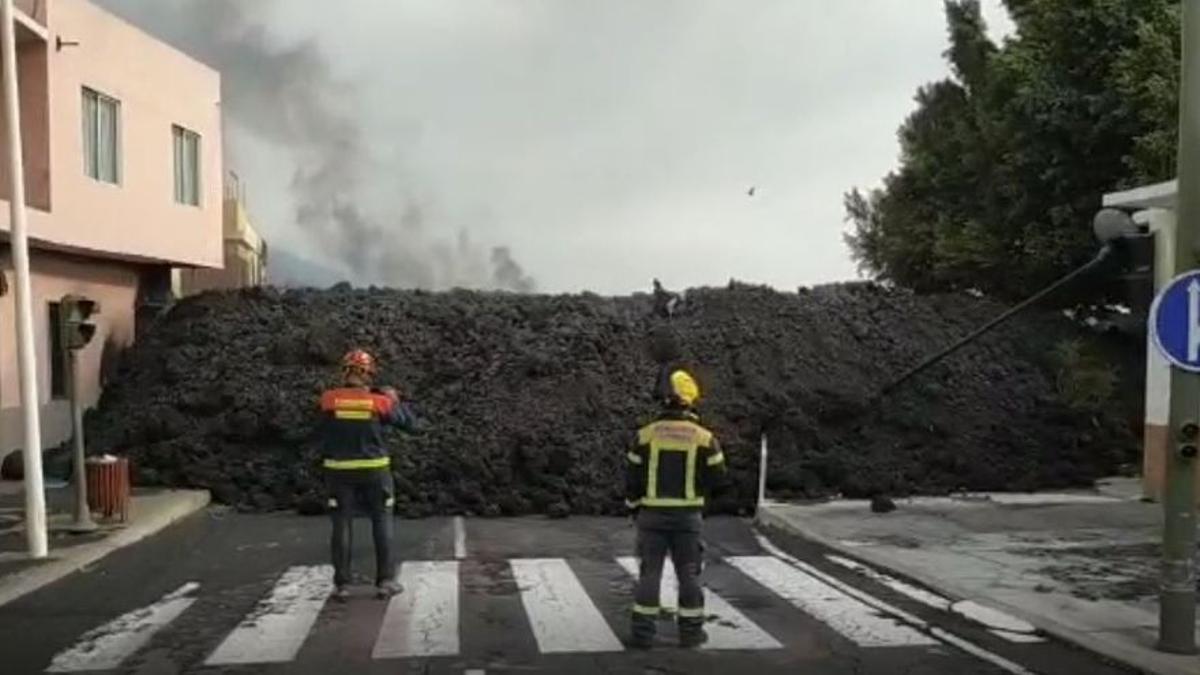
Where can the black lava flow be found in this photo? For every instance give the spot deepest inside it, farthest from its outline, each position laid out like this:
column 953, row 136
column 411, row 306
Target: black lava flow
column 528, row 403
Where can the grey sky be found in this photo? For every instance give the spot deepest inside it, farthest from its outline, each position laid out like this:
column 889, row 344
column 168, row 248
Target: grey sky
column 608, row 142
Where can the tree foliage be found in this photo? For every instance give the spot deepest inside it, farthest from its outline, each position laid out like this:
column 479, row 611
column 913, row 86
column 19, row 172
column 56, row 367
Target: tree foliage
column 1004, row 162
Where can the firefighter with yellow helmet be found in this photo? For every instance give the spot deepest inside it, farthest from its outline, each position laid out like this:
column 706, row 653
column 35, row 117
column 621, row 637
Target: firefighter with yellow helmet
column 673, row 464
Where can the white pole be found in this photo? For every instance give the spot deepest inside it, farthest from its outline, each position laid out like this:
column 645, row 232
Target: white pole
column 35, row 497
column 762, row 472
column 1155, row 439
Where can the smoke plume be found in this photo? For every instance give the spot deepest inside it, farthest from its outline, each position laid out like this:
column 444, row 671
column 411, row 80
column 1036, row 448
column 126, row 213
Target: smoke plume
column 288, row 96
column 507, row 273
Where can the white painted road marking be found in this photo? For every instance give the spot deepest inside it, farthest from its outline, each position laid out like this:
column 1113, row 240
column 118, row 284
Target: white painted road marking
column 1002, row 625
column 731, row 630
column 853, row 619
column 560, row 612
column 107, row 647
column 1019, row 638
column 944, row 635
column 423, row 620
column 919, row 594
column 460, row 538
column 276, row 629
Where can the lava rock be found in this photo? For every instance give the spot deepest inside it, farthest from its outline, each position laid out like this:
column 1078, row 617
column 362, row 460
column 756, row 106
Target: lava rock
column 881, row 504
column 529, row 402
column 13, row 466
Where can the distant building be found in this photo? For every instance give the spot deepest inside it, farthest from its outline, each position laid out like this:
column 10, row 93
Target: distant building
column 123, row 166
column 245, row 252
column 1153, row 208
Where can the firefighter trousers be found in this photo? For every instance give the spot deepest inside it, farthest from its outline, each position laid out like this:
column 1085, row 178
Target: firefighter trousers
column 664, row 532
column 372, row 490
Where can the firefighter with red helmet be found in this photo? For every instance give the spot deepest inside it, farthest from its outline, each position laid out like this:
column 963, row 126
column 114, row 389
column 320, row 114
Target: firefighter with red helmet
column 358, row 465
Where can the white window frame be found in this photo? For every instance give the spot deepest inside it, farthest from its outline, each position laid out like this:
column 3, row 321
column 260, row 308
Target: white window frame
column 180, row 136
column 91, row 155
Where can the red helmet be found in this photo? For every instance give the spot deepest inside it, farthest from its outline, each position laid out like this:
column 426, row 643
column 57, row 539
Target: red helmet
column 359, row 361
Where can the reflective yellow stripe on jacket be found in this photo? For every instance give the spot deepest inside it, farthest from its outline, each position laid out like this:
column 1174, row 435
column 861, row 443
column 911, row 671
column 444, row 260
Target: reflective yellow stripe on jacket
column 671, row 502
column 662, row 437
column 372, row 463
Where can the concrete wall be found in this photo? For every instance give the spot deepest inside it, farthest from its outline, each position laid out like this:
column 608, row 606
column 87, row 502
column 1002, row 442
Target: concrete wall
column 243, row 269
column 157, row 87
column 113, row 284
column 1156, row 439
column 1155, row 208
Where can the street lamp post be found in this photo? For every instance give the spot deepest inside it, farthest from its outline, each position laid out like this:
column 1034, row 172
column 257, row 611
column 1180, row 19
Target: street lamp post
column 1177, row 599
column 35, row 497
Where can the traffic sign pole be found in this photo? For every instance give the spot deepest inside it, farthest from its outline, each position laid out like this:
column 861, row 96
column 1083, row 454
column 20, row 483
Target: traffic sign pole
column 83, row 513
column 1177, row 599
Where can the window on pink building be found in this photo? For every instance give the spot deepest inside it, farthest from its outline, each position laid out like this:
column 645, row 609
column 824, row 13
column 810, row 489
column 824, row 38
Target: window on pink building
column 187, row 165
column 101, row 136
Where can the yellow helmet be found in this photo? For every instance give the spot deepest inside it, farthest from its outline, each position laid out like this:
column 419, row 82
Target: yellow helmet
column 684, row 388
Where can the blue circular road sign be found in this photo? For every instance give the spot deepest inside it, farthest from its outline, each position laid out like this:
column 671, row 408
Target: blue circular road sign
column 1175, row 321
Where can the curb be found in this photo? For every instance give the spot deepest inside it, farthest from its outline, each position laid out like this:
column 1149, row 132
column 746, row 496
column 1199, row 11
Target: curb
column 27, row 581
column 1144, row 658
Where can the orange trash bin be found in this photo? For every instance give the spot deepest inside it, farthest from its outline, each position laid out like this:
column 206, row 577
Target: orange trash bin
column 108, row 486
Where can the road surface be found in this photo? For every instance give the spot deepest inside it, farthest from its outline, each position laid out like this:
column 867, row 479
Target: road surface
column 229, row 593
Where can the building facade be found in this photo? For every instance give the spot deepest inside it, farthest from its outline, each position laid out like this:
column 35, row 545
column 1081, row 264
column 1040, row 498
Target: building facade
column 245, row 252
column 1153, row 208
column 123, row 167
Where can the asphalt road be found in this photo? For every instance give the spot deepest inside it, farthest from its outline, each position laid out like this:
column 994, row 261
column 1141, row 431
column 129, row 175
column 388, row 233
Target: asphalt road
column 229, row 593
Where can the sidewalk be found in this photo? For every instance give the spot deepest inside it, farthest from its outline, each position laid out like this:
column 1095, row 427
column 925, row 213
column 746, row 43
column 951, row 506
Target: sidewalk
column 1082, row 566
column 150, row 512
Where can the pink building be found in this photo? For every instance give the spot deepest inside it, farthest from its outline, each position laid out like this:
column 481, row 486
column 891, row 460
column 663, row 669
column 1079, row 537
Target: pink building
column 122, row 149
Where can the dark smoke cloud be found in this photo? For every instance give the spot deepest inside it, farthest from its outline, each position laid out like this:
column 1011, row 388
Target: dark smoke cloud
column 507, row 273
column 287, row 95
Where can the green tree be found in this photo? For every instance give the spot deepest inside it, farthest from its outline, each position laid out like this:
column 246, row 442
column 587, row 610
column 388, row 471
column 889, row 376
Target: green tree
column 1004, row 162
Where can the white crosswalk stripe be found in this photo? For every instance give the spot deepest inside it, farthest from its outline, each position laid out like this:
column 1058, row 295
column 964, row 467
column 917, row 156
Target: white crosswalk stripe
column 426, row 619
column 423, row 620
column 560, row 612
column 852, row 618
column 277, row 628
column 107, row 647
column 730, row 630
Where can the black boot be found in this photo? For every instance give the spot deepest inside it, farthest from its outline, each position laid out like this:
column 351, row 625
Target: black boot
column 692, row 633
column 643, row 630
column 387, row 588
